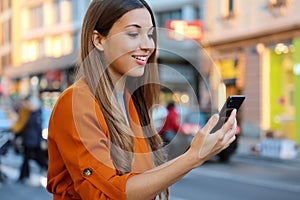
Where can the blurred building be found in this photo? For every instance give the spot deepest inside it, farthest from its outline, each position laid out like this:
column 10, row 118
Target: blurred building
column 41, row 40
column 247, row 47
column 255, row 47
column 180, row 30
column 6, row 39
column 258, row 43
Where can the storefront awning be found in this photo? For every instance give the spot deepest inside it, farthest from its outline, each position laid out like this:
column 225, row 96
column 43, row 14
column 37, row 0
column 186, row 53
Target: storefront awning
column 42, row 65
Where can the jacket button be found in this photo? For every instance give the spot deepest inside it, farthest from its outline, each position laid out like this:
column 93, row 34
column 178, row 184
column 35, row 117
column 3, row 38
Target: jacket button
column 87, row 172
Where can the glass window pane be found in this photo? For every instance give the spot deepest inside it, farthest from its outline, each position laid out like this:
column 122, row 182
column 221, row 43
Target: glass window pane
column 36, row 17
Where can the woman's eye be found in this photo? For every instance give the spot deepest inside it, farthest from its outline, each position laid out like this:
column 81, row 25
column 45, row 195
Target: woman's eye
column 133, row 34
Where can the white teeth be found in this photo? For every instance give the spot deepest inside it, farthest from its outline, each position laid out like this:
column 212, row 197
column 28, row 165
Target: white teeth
column 140, row 58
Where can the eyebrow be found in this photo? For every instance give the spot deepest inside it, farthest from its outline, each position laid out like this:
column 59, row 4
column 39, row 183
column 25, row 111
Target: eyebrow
column 137, row 26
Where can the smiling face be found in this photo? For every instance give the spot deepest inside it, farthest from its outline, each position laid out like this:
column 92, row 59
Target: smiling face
column 129, row 44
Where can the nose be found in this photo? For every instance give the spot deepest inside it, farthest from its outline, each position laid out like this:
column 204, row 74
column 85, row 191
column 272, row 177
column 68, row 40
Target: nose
column 147, row 42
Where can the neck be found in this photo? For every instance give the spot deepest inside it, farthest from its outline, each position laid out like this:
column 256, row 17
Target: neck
column 119, row 84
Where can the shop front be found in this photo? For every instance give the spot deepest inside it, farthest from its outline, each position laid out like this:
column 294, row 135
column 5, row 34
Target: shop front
column 45, row 78
column 231, row 66
column 281, row 90
column 296, row 70
column 280, row 83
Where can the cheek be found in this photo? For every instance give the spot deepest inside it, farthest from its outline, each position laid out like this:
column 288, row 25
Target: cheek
column 118, row 49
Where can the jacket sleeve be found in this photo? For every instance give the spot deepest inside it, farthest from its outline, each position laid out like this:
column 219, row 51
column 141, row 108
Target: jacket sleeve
column 79, row 151
column 19, row 125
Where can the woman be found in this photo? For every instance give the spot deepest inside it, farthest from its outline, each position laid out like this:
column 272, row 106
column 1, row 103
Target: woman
column 102, row 143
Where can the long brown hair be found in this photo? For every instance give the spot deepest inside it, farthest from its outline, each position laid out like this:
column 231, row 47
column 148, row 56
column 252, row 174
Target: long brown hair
column 100, row 16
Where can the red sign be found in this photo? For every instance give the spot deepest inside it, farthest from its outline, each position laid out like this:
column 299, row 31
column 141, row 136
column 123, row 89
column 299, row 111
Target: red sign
column 52, row 76
column 182, row 30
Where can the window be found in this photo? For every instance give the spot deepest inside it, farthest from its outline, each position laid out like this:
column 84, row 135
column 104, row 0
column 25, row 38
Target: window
column 2, row 33
column 36, row 17
column 273, row 4
column 41, row 49
column 5, row 35
column 228, row 9
column 56, row 11
column 278, row 7
column 163, row 17
column 30, row 51
column 33, row 50
column 56, row 46
column 6, row 60
column 4, row 5
column 66, row 11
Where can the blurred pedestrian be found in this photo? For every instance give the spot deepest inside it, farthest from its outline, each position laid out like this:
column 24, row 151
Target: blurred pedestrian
column 29, row 128
column 102, row 143
column 171, row 124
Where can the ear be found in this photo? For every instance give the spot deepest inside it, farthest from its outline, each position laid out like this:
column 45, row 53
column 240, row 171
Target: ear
column 98, row 40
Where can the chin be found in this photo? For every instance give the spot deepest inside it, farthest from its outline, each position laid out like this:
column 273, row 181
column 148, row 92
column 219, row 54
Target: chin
column 138, row 72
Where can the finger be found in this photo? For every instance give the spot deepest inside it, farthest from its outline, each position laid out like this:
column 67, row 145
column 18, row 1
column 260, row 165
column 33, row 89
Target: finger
column 232, row 139
column 230, row 122
column 211, row 123
column 231, row 132
column 200, row 137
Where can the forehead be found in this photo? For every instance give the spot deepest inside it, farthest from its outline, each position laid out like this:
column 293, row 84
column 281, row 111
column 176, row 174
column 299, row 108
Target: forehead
column 139, row 16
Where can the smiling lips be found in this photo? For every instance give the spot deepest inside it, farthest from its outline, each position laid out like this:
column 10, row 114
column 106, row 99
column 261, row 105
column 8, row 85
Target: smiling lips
column 141, row 60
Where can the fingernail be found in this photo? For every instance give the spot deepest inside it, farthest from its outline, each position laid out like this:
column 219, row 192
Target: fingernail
column 215, row 116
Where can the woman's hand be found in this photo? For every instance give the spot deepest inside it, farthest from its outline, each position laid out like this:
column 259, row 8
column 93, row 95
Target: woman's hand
column 203, row 146
column 206, row 145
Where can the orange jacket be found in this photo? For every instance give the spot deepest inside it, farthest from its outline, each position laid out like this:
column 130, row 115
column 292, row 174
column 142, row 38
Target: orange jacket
column 80, row 165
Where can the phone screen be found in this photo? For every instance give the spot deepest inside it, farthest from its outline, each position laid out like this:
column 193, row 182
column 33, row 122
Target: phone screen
column 232, row 102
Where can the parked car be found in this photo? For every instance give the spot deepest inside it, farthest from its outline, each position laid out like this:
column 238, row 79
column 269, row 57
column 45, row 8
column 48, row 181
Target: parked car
column 195, row 121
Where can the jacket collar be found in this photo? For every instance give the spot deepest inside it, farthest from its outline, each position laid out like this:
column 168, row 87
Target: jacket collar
column 142, row 160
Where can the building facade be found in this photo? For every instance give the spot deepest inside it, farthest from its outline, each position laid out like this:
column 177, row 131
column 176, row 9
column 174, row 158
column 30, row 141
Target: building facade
column 254, row 47
column 180, row 30
column 259, row 43
column 44, row 45
column 7, row 21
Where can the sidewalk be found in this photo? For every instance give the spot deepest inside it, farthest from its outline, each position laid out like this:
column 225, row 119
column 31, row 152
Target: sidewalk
column 10, row 189
column 245, row 150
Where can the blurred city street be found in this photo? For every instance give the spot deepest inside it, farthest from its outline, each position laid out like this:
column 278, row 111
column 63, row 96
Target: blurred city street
column 247, row 176
column 207, row 50
column 10, row 189
column 242, row 178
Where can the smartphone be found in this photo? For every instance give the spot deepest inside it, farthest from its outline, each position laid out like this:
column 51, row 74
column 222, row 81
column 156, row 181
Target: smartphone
column 232, row 102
